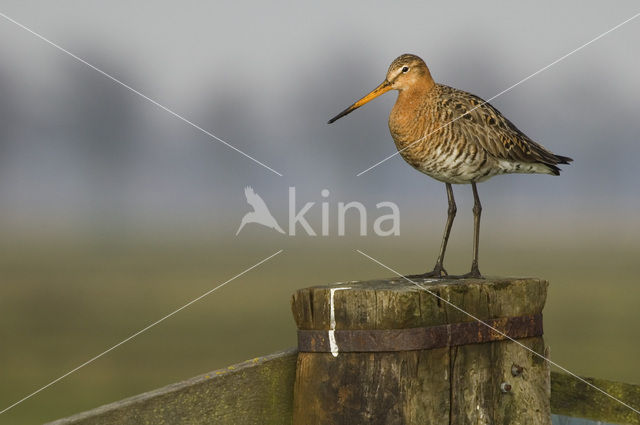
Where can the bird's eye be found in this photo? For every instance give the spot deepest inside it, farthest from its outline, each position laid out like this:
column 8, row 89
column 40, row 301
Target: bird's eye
column 405, row 69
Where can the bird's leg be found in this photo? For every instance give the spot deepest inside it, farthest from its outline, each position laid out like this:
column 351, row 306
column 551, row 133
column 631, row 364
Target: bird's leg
column 477, row 210
column 438, row 270
column 451, row 214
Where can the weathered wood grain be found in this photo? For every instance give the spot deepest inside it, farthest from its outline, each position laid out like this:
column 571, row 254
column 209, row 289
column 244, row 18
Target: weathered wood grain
column 571, row 397
column 567, row 398
column 258, row 391
column 458, row 385
column 446, row 385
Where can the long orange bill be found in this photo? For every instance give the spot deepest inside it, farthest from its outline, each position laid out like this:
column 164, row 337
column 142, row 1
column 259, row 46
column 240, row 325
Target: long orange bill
column 381, row 89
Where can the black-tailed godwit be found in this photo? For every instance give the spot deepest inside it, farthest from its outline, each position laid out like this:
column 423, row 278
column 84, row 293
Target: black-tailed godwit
column 456, row 138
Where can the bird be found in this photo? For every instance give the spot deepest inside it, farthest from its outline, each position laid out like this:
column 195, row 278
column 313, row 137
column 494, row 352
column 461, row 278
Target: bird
column 454, row 137
column 260, row 213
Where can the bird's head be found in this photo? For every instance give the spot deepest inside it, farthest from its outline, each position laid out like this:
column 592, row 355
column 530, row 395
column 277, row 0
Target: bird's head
column 405, row 72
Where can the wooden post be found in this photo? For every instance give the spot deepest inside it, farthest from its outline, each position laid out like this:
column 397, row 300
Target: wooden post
column 387, row 352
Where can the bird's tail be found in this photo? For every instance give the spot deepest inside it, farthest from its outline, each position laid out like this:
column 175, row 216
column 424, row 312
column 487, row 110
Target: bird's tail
column 563, row 159
column 558, row 159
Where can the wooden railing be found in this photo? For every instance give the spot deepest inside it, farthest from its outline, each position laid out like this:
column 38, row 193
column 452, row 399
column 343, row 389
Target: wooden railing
column 386, row 351
column 260, row 391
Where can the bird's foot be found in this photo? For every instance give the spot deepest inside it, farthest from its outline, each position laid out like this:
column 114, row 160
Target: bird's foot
column 438, row 272
column 473, row 274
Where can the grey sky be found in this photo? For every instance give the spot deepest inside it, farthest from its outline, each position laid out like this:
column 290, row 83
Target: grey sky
column 266, row 77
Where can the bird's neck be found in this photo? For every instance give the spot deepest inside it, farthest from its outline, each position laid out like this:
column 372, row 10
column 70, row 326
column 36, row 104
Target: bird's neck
column 415, row 96
column 410, row 113
column 412, row 99
column 418, row 89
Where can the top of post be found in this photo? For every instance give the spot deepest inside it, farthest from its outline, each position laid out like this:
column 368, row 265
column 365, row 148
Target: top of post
column 398, row 303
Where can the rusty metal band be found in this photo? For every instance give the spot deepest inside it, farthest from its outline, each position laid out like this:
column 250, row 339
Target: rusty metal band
column 454, row 334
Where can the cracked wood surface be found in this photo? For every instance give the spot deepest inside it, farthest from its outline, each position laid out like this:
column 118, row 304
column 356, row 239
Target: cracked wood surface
column 255, row 392
column 457, row 385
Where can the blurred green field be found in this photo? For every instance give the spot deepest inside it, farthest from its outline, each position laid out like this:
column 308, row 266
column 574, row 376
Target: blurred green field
column 64, row 300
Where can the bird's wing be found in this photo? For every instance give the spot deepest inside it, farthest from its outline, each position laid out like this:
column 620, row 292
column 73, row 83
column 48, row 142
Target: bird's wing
column 254, row 199
column 489, row 129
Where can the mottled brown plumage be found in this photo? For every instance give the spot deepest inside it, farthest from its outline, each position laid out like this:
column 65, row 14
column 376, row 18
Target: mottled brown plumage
column 454, row 137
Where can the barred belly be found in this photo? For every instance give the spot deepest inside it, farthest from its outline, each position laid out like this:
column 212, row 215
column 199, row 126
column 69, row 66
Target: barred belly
column 463, row 166
column 451, row 165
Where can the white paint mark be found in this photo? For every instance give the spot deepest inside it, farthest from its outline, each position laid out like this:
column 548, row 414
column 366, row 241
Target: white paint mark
column 332, row 327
